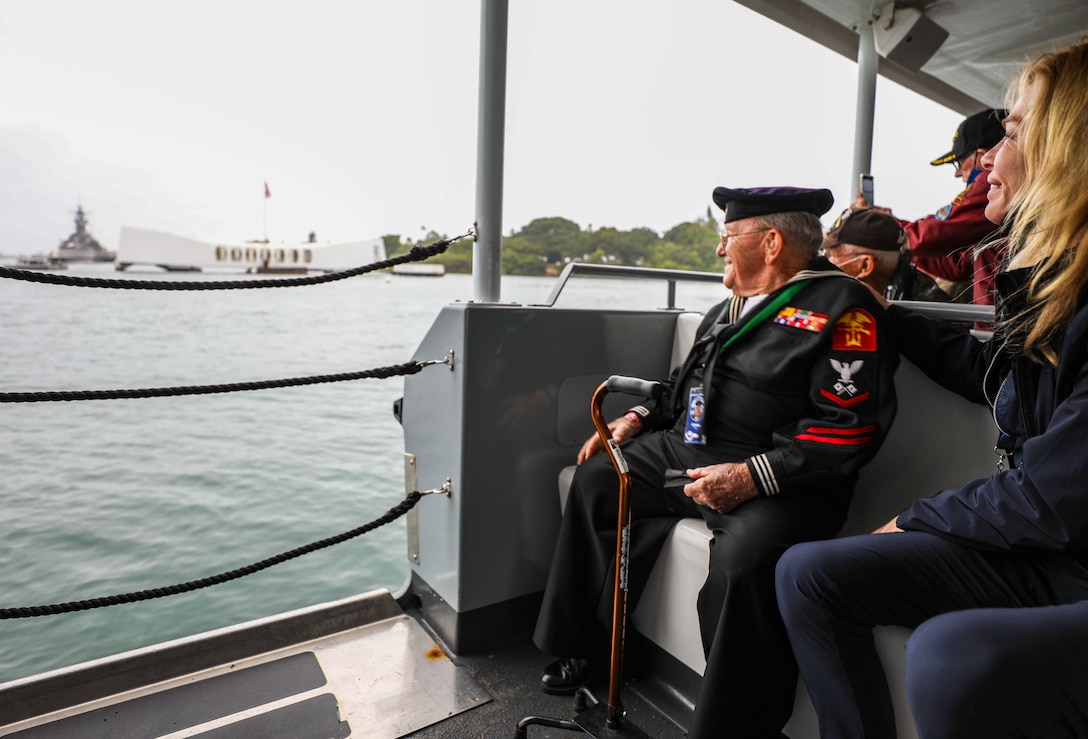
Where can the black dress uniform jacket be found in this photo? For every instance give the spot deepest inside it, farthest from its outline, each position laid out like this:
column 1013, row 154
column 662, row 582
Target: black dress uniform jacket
column 804, row 398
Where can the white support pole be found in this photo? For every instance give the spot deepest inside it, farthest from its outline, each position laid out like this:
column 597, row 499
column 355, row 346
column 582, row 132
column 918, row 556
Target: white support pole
column 868, row 63
column 490, row 137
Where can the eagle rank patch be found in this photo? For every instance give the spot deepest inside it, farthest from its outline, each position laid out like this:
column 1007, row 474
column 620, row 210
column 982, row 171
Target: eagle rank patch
column 801, row 318
column 846, row 391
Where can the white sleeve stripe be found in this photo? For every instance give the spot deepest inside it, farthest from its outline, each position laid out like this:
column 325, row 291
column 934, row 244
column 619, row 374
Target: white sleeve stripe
column 641, row 410
column 765, row 474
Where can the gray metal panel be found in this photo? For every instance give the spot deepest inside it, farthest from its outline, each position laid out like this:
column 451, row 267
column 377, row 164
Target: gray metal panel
column 572, row 424
column 433, row 432
column 523, row 376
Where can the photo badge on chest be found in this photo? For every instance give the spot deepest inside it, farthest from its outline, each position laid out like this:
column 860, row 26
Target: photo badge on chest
column 693, row 429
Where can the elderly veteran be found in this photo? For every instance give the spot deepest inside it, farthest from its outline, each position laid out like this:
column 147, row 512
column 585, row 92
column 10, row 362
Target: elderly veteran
column 785, row 394
column 871, row 246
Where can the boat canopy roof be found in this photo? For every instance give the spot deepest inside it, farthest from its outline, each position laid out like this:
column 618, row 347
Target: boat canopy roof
column 961, row 54
column 988, row 40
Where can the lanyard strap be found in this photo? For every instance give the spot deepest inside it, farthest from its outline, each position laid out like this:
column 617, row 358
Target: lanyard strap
column 764, row 312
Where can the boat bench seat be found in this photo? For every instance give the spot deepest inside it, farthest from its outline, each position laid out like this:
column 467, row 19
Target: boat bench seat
column 938, row 440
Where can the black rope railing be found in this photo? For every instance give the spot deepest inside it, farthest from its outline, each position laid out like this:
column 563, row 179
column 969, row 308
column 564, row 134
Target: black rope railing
column 113, row 600
column 415, row 254
column 379, row 373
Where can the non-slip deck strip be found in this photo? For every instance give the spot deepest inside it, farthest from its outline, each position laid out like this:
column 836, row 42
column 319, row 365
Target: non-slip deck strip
column 192, row 704
column 316, row 717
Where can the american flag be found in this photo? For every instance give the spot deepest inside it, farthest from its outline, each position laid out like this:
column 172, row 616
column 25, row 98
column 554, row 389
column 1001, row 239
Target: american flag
column 267, row 192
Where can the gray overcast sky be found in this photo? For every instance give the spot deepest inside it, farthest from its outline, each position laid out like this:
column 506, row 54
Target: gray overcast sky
column 361, row 117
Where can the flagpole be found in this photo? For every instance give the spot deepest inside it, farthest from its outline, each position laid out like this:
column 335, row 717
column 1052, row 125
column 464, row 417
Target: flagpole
column 267, row 195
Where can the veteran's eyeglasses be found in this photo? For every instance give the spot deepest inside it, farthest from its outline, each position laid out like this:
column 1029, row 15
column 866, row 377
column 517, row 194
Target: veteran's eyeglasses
column 726, row 237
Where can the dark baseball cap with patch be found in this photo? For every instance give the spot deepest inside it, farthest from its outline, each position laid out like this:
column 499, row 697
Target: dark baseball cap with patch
column 869, row 228
column 980, row 131
column 739, row 203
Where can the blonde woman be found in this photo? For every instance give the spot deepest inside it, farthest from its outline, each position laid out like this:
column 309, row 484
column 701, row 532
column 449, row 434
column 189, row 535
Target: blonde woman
column 994, row 574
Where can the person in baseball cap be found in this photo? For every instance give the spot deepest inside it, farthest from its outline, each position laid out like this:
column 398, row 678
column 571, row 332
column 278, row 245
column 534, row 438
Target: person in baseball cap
column 974, row 136
column 944, row 242
column 867, row 228
column 872, row 247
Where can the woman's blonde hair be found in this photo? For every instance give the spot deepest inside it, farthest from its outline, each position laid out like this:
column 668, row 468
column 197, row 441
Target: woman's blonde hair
column 1048, row 217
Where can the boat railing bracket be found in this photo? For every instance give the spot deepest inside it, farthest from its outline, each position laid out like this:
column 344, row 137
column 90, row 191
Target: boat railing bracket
column 446, row 489
column 412, row 517
column 447, row 360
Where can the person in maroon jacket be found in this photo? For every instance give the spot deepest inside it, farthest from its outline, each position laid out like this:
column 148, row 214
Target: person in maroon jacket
column 958, row 243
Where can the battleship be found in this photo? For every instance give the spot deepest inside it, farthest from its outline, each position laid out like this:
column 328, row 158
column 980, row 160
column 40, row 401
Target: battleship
column 81, row 246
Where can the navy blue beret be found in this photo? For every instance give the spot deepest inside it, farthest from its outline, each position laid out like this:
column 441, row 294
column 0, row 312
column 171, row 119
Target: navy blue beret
column 741, row 203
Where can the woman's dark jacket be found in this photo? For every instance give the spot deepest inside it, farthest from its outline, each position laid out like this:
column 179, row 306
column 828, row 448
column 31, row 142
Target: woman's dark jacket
column 1041, row 502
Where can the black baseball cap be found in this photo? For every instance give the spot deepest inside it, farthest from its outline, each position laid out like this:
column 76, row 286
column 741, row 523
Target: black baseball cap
column 868, row 228
column 980, row 131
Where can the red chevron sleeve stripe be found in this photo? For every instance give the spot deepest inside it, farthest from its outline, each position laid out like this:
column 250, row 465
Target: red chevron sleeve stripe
column 844, row 402
column 835, row 440
column 842, row 432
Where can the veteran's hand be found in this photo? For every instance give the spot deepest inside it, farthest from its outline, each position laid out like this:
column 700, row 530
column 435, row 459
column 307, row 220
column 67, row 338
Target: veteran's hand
column 622, row 429
column 721, row 487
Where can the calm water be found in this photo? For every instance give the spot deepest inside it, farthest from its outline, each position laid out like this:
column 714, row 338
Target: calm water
column 108, row 497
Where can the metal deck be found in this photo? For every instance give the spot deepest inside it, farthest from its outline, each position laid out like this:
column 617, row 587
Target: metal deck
column 360, row 667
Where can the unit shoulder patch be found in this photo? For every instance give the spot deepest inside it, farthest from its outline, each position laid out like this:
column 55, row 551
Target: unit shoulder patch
column 855, row 331
column 803, row 319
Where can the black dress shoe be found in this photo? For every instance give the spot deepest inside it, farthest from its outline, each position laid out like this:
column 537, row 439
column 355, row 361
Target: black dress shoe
column 565, row 676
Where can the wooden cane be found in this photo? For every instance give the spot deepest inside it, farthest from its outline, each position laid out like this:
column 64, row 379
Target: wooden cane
column 623, row 530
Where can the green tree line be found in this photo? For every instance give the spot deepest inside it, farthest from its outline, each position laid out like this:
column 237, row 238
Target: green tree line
column 545, row 245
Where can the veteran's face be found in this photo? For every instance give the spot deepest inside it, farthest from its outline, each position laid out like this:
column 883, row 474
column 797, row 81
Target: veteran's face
column 741, row 248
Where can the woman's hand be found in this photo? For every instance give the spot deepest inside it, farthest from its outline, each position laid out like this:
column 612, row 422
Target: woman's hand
column 890, row 527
